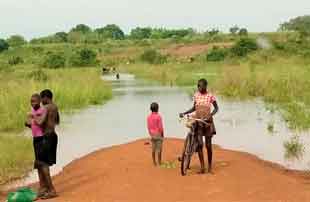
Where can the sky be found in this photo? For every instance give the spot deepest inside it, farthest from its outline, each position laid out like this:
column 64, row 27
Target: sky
column 35, row 18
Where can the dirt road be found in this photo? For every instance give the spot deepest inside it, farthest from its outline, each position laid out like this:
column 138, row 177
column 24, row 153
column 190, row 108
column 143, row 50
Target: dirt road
column 125, row 173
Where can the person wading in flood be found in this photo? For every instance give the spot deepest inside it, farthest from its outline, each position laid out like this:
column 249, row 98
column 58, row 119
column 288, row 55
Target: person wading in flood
column 203, row 100
column 48, row 121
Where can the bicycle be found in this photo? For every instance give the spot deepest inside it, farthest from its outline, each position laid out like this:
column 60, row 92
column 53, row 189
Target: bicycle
column 191, row 143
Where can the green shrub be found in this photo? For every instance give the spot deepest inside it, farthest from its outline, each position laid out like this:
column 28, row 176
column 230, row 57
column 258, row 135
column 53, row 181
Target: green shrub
column 216, row 54
column 38, row 75
column 153, row 57
column 294, row 149
column 84, row 57
column 54, row 60
column 15, row 60
column 243, row 47
column 3, row 45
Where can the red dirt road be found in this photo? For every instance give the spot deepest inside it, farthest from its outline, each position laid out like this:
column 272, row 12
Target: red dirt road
column 125, row 174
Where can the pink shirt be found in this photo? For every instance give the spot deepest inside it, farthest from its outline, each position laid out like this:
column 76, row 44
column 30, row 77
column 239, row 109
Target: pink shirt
column 37, row 130
column 155, row 124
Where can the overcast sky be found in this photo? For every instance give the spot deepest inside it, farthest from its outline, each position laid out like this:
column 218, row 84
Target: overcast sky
column 33, row 18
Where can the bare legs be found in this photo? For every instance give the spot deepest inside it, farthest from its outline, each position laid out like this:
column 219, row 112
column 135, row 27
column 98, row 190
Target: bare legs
column 209, row 151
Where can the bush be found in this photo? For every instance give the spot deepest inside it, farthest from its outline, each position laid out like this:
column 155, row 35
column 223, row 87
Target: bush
column 153, row 57
column 84, row 57
column 16, row 40
column 54, row 60
column 3, row 45
column 38, row 75
column 216, row 54
column 15, row 60
column 243, row 47
column 243, row 32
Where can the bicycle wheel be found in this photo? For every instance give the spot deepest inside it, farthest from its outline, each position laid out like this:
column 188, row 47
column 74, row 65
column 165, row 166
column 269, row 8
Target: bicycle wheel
column 187, row 154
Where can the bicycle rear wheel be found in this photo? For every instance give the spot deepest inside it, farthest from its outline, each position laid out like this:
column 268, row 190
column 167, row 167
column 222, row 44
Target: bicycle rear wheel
column 187, row 154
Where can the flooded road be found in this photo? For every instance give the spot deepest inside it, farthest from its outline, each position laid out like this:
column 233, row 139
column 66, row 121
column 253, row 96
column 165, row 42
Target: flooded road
column 240, row 126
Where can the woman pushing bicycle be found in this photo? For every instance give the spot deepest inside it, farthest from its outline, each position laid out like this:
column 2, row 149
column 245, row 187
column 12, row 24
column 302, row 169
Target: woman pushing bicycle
column 203, row 101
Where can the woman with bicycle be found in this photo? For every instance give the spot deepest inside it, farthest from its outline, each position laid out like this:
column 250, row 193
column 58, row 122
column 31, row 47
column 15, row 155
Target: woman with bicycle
column 203, row 101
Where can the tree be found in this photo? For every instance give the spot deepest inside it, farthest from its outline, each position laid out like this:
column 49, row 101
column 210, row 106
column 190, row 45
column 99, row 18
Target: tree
column 300, row 24
column 111, row 31
column 3, row 45
column 141, row 33
column 61, row 37
column 81, row 28
column 213, row 32
column 54, row 60
column 243, row 32
column 16, row 40
column 234, row 30
column 84, row 57
column 244, row 46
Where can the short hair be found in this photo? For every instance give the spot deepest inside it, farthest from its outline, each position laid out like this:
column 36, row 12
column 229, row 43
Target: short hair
column 36, row 95
column 46, row 93
column 154, row 107
column 203, row 81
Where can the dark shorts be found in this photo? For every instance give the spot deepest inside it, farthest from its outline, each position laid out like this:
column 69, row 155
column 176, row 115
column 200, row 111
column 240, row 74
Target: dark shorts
column 45, row 150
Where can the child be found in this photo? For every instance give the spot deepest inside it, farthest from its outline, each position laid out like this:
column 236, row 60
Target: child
column 203, row 100
column 156, row 131
column 38, row 139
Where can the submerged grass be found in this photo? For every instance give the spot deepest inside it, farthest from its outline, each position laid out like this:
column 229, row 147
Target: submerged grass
column 73, row 89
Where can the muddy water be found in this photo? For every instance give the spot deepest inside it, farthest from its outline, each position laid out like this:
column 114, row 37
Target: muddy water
column 240, row 125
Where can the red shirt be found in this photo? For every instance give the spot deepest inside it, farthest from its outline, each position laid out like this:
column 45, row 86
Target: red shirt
column 155, row 124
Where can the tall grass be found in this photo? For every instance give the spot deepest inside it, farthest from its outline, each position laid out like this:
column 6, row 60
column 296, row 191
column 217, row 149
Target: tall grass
column 284, row 83
column 73, row 89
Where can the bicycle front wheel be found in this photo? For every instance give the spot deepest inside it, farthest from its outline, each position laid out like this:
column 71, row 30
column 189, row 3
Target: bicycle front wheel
column 187, row 154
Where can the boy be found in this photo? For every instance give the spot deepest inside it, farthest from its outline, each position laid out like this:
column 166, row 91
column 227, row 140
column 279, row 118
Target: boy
column 38, row 143
column 156, row 131
column 203, row 100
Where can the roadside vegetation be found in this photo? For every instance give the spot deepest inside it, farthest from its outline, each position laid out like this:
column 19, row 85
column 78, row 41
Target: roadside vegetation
column 240, row 65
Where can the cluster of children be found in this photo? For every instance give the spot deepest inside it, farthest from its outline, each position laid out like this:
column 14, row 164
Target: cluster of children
column 203, row 101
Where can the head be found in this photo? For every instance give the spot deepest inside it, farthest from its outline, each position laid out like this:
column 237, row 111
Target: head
column 46, row 96
column 35, row 101
column 154, row 107
column 202, row 85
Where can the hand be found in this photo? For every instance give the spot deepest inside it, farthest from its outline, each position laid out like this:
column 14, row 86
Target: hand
column 29, row 115
column 208, row 117
column 181, row 115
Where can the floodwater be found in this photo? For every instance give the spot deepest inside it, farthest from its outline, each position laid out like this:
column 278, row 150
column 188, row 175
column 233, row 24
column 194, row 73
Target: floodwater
column 240, row 125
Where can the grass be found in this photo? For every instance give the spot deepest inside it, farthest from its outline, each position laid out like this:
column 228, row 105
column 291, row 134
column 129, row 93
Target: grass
column 294, row 149
column 73, row 88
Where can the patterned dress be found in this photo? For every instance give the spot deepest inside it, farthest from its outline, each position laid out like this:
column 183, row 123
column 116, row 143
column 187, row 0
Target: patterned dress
column 203, row 104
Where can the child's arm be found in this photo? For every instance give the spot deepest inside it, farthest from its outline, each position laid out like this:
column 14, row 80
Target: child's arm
column 28, row 120
column 160, row 126
column 216, row 108
column 191, row 110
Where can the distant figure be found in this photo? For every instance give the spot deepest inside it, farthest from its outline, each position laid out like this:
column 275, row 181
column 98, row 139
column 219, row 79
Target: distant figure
column 105, row 70
column 113, row 69
column 117, row 76
column 156, row 132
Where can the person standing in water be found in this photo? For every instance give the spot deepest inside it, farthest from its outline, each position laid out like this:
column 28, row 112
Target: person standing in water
column 203, row 101
column 48, row 122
